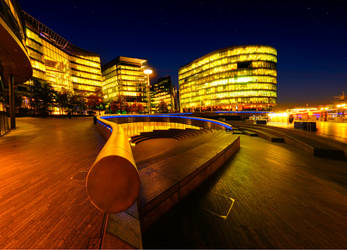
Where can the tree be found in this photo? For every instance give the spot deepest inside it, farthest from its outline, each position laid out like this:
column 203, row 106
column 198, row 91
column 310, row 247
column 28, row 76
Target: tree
column 62, row 100
column 162, row 107
column 77, row 104
column 41, row 97
column 94, row 100
column 119, row 105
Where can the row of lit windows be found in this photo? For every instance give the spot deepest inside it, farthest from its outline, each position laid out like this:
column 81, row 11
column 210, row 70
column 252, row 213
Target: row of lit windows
column 234, row 87
column 108, row 70
column 33, row 35
column 92, row 58
column 125, row 77
column 262, row 64
column 228, row 53
column 123, row 68
column 37, row 74
column 85, row 87
column 133, row 78
column 123, row 72
column 76, row 79
column 136, row 68
column 84, row 62
column 86, row 75
column 131, row 72
column 227, row 60
column 37, row 56
column 85, row 68
column 243, row 79
column 31, row 44
column 161, row 94
column 115, row 87
column 205, row 77
column 125, row 88
column 157, row 99
column 239, row 100
column 114, row 81
column 106, row 82
column 225, row 94
column 233, row 66
column 130, row 93
column 38, row 65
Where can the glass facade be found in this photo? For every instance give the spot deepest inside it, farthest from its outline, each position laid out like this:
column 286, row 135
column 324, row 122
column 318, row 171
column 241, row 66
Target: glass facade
column 58, row 62
column 162, row 91
column 124, row 76
column 234, row 78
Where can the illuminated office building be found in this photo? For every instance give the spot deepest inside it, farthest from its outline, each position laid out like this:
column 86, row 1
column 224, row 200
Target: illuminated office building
column 124, row 77
column 234, row 78
column 162, row 92
column 60, row 63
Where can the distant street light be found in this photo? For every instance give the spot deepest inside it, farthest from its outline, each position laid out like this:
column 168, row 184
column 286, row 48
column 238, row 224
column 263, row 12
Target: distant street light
column 148, row 72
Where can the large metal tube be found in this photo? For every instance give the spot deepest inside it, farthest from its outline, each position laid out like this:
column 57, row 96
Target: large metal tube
column 113, row 182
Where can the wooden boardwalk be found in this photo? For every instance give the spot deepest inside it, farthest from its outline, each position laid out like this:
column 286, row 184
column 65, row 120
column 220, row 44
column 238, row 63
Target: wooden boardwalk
column 43, row 203
column 270, row 195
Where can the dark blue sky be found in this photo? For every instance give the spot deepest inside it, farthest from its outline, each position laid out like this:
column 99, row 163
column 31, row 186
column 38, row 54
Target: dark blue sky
column 310, row 36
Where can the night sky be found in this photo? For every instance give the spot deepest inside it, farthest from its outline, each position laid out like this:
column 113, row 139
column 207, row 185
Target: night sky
column 310, row 36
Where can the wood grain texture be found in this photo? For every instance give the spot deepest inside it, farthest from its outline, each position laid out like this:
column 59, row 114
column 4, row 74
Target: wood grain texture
column 43, row 202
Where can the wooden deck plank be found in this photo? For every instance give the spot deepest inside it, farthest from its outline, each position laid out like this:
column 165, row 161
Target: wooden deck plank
column 41, row 204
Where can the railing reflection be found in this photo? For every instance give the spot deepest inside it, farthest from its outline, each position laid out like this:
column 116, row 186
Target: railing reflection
column 132, row 129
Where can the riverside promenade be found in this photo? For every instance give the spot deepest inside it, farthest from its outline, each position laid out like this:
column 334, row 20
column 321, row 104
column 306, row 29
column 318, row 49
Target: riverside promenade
column 43, row 202
column 269, row 195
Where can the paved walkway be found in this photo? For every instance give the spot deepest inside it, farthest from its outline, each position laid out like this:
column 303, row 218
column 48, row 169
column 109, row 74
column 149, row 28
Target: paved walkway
column 43, row 203
column 268, row 196
column 332, row 130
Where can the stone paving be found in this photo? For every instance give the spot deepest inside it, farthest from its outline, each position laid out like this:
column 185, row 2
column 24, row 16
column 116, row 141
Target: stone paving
column 270, row 195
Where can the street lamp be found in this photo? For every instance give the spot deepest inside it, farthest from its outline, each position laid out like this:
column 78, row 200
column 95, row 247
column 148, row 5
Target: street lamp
column 148, row 72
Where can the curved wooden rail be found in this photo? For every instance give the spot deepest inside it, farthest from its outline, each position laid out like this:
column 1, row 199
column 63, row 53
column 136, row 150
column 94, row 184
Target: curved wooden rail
column 113, row 183
column 174, row 118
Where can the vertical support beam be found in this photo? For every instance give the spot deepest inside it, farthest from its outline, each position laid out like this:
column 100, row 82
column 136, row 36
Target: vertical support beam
column 149, row 95
column 11, row 101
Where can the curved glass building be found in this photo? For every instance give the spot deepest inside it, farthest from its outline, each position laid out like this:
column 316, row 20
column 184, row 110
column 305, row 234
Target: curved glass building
column 233, row 78
column 60, row 63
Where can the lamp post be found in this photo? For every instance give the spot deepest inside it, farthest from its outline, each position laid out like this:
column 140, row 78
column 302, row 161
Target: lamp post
column 148, row 72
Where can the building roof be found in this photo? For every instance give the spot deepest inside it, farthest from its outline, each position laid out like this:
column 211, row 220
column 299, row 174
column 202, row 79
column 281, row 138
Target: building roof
column 124, row 60
column 53, row 37
column 225, row 49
